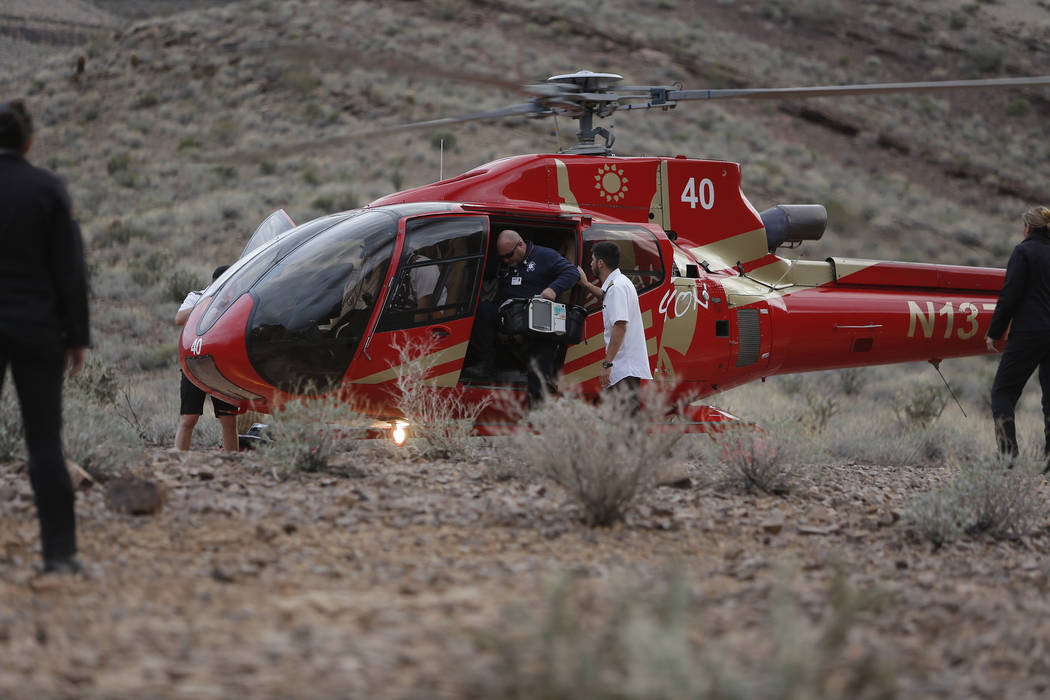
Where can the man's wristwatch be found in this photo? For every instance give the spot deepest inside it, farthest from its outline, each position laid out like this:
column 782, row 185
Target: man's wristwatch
column 606, row 365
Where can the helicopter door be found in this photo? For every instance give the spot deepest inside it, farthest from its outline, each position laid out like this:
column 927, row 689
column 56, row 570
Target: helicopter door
column 430, row 303
column 642, row 263
column 274, row 225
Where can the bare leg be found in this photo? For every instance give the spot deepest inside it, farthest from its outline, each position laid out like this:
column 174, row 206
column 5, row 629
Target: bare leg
column 184, row 433
column 229, row 433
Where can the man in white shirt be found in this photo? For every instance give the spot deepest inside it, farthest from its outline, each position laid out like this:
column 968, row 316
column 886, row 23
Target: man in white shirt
column 626, row 360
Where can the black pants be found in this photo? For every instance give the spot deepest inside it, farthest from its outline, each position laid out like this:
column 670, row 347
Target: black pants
column 631, row 389
column 37, row 372
column 539, row 351
column 1024, row 352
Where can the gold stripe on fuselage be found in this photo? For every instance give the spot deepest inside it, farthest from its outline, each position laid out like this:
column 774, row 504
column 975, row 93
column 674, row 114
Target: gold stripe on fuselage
column 450, row 354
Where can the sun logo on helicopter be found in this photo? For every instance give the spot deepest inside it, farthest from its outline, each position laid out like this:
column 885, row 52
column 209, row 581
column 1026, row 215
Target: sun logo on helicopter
column 610, row 183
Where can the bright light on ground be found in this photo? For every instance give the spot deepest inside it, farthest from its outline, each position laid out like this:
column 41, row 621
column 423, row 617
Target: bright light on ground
column 399, row 433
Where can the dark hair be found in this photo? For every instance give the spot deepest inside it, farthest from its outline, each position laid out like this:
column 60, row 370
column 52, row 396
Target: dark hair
column 16, row 126
column 218, row 271
column 608, row 252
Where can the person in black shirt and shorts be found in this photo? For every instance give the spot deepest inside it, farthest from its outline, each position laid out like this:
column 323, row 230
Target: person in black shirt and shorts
column 192, row 397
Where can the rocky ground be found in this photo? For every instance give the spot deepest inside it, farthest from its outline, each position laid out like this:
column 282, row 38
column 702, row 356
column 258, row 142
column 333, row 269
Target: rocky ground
column 384, row 583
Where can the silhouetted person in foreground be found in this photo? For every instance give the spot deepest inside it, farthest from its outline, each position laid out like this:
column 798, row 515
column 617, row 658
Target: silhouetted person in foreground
column 43, row 322
column 1024, row 306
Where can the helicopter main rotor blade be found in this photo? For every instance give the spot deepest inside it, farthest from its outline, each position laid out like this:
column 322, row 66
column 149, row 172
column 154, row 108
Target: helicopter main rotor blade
column 839, row 90
column 525, row 108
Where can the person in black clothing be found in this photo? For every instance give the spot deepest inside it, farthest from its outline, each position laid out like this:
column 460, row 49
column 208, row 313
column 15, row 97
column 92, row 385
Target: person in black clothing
column 527, row 270
column 43, row 322
column 1024, row 301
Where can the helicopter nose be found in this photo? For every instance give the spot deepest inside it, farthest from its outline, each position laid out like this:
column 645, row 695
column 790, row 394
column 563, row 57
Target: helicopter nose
column 215, row 357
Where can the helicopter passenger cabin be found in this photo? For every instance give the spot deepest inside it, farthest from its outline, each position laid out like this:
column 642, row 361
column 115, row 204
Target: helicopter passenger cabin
column 445, row 268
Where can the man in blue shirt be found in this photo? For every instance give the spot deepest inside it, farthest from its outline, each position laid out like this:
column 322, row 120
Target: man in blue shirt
column 527, row 270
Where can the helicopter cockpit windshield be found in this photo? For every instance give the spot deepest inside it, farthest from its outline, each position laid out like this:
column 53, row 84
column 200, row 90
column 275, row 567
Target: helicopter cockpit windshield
column 312, row 307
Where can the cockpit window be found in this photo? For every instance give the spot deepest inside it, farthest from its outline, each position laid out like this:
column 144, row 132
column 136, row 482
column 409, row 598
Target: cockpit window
column 312, row 308
column 438, row 277
column 251, row 265
column 640, row 257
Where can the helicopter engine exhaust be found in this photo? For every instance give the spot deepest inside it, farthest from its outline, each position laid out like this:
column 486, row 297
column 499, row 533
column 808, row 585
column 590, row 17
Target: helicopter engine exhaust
column 794, row 223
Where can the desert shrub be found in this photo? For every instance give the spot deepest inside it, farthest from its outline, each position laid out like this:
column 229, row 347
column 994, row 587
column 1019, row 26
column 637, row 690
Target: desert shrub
column 983, row 56
column 226, row 173
column 180, row 283
column 815, row 13
column 306, row 433
column 97, row 438
column 748, row 457
column 853, row 380
column 821, row 407
column 146, row 271
column 226, row 131
column 1018, row 107
column 792, row 384
column 120, row 169
column 12, row 437
column 146, row 100
column 649, row 643
column 443, row 421
column 98, row 382
column 920, row 406
column 311, row 176
column 984, row 497
column 601, row 454
column 118, row 233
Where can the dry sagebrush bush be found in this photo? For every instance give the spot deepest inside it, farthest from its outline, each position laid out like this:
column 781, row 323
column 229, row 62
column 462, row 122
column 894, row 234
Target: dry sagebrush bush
column 604, row 456
column 767, row 459
column 97, row 438
column 306, row 433
column 443, row 422
column 646, row 644
column 985, row 497
column 12, row 437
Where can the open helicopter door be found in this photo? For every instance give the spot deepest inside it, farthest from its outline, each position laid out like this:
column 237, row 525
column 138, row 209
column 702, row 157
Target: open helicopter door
column 644, row 263
column 271, row 227
column 428, row 307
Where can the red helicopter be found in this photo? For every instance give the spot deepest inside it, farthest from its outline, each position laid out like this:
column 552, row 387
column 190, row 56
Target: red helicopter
column 326, row 304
